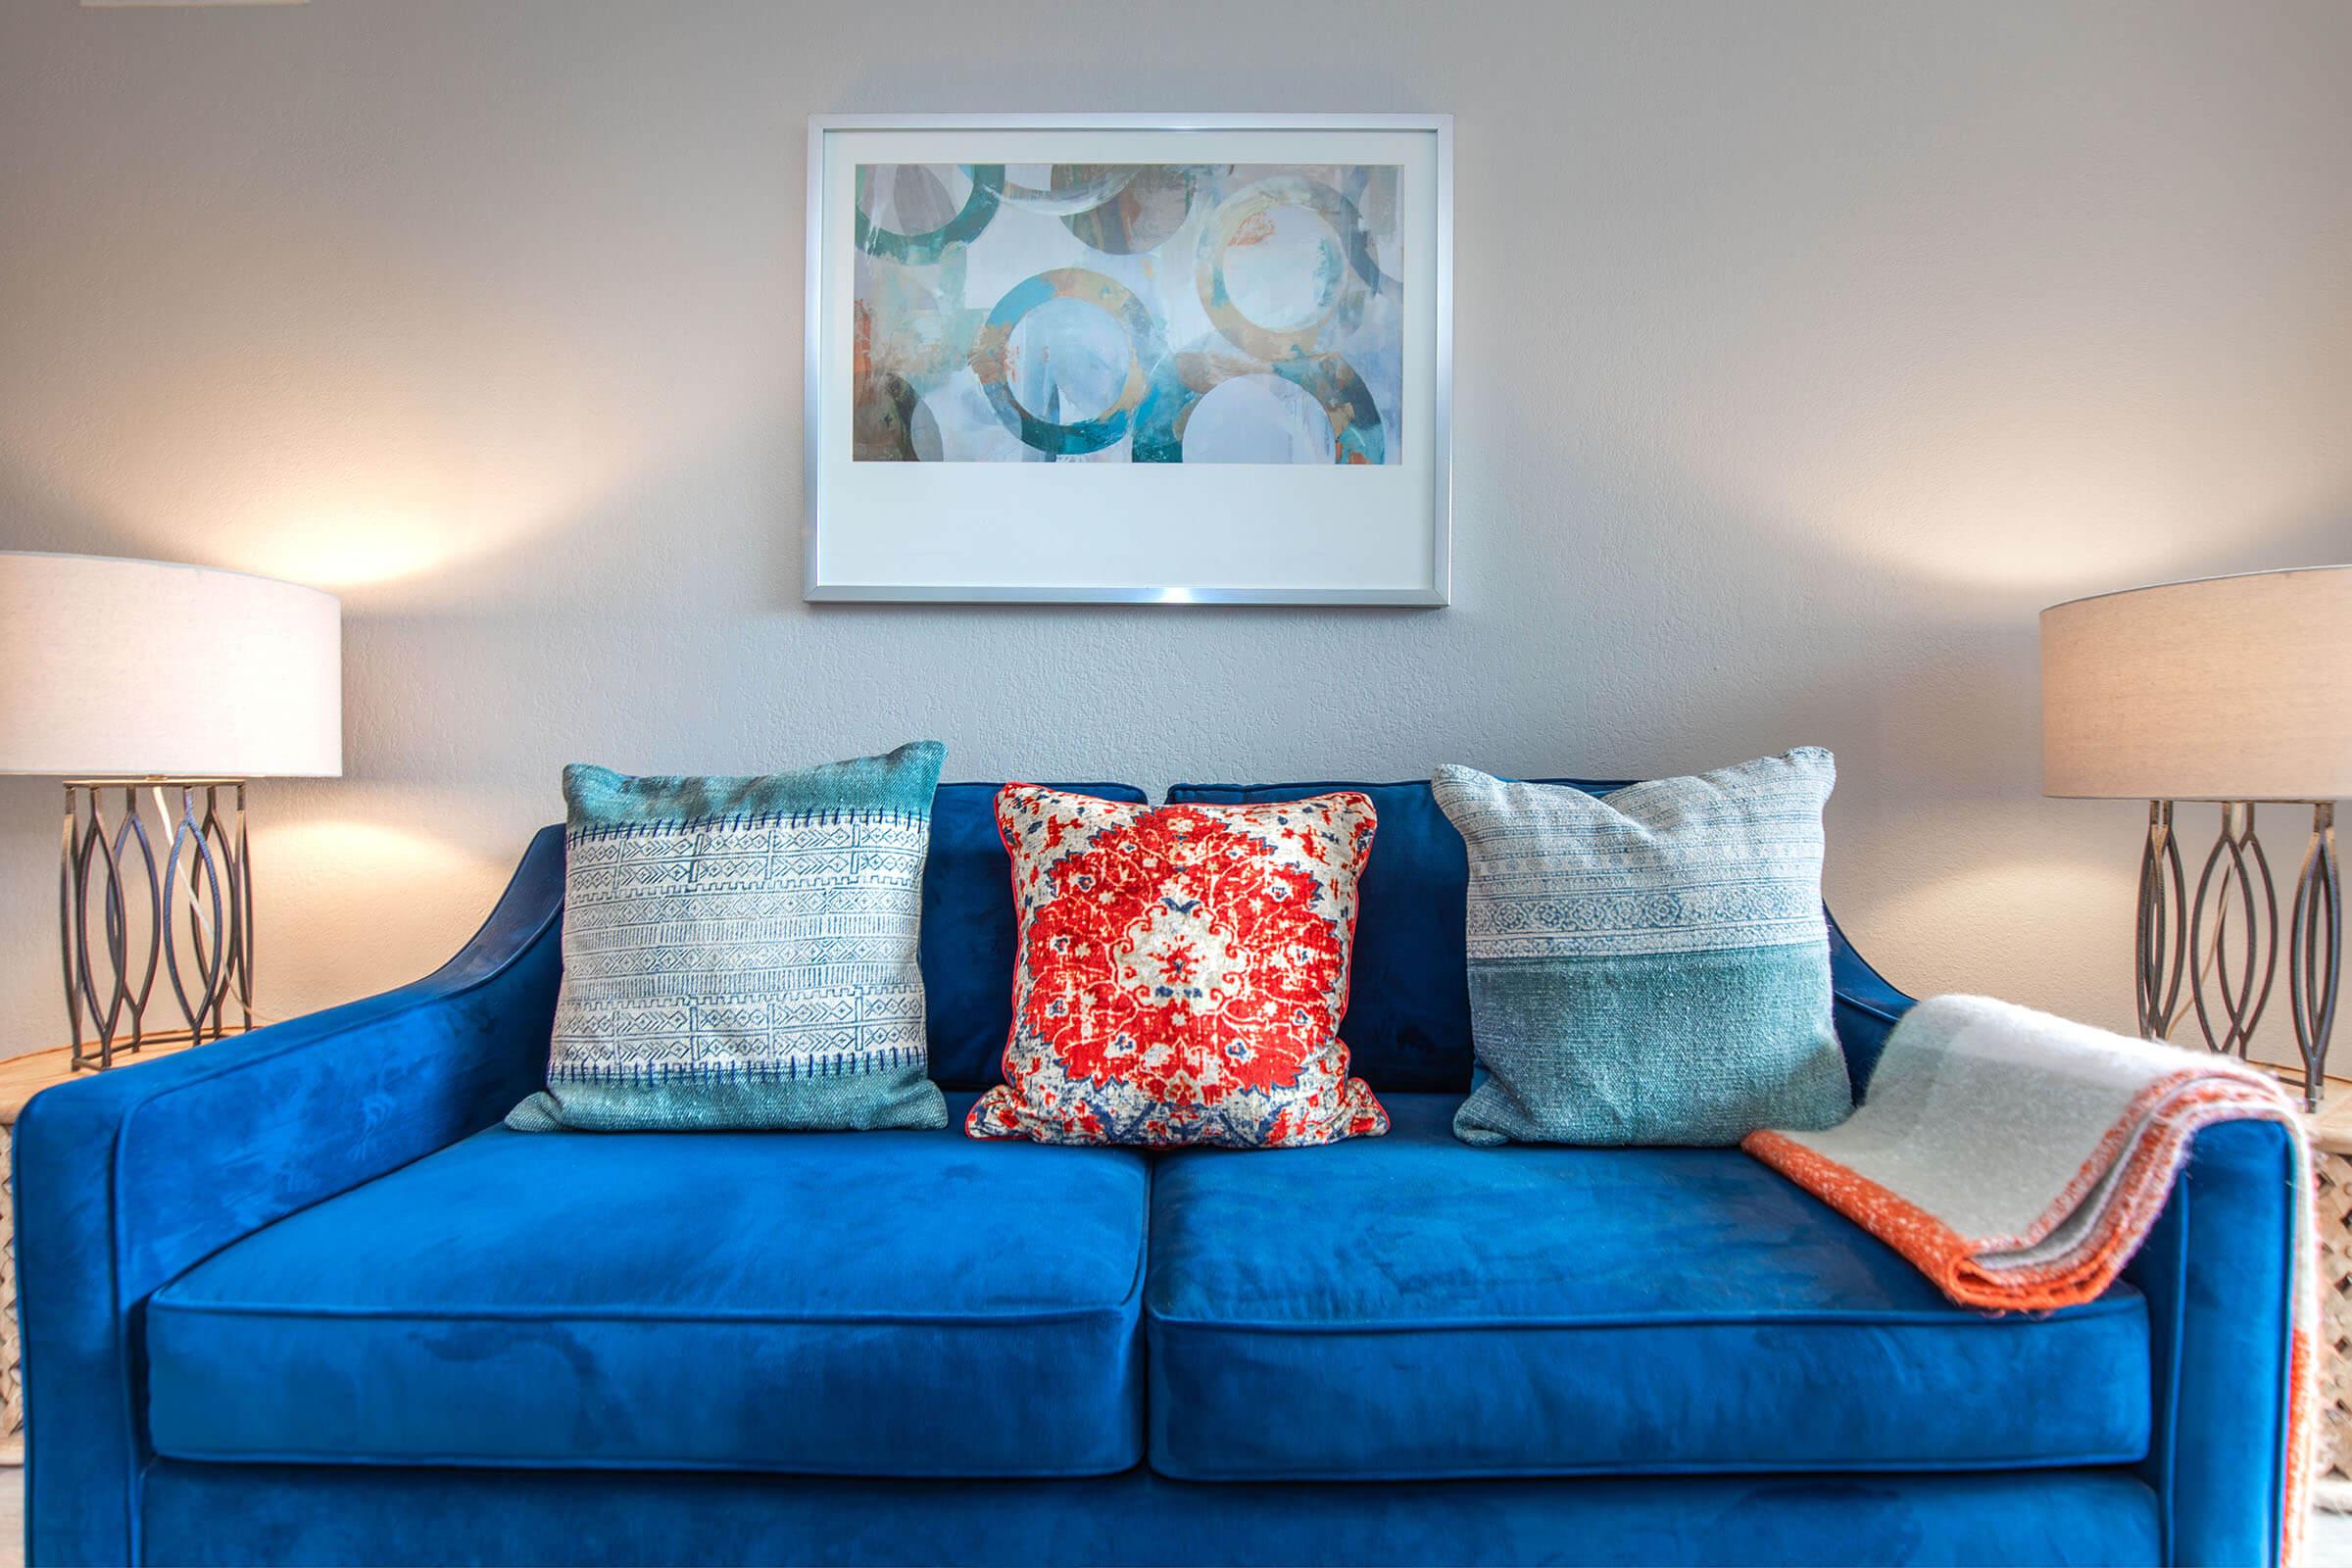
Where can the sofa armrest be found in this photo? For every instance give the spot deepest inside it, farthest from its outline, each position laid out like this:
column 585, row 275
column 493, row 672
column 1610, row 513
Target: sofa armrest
column 2217, row 1274
column 126, row 1179
column 1866, row 1008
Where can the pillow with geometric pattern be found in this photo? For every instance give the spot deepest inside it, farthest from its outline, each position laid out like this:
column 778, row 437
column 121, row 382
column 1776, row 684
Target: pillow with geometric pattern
column 1652, row 965
column 740, row 953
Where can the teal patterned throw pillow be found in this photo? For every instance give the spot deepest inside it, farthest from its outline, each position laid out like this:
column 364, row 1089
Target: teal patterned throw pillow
column 740, row 953
column 1651, row 966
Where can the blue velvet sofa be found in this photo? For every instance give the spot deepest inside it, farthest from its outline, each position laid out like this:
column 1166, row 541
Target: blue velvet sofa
column 300, row 1298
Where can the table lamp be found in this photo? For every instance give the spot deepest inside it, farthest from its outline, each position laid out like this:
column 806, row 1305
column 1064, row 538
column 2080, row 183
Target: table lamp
column 132, row 678
column 2236, row 691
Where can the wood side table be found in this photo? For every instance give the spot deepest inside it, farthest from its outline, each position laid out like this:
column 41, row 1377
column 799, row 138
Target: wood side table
column 2331, row 1155
column 22, row 1078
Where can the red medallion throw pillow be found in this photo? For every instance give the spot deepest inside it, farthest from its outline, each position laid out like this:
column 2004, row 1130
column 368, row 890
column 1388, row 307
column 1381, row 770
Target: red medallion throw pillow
column 1182, row 972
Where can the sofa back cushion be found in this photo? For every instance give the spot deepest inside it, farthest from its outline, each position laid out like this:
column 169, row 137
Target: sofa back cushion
column 969, row 931
column 1407, row 1026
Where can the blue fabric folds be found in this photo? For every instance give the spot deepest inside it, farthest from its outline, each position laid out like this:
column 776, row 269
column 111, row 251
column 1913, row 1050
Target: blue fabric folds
column 1407, row 1306
column 235, row 1515
column 902, row 1303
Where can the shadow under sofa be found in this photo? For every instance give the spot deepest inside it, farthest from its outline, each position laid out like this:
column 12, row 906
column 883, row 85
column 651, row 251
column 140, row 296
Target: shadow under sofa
column 300, row 1298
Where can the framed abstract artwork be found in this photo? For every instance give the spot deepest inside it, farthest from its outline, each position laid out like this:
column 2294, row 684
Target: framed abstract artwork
column 1130, row 358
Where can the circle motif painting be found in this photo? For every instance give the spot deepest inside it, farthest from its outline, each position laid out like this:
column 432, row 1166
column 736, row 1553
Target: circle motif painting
column 884, row 189
column 1137, row 313
column 1085, row 357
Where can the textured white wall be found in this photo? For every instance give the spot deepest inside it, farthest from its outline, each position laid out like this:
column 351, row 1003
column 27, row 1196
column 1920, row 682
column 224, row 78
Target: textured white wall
column 1806, row 350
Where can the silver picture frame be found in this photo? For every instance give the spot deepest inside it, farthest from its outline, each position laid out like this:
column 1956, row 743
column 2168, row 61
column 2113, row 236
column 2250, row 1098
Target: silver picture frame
column 1437, row 587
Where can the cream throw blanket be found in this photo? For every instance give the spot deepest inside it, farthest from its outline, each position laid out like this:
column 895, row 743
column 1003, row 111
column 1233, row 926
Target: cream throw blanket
column 2019, row 1160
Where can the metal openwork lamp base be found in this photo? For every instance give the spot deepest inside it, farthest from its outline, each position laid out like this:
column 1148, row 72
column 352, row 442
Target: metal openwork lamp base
column 2234, row 915
column 135, row 904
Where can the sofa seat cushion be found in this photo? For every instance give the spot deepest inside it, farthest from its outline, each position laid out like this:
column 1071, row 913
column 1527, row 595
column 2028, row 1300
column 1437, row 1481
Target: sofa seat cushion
column 882, row 1303
column 1408, row 1308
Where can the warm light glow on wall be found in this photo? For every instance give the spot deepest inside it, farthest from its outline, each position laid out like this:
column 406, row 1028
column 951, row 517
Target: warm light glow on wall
column 349, row 547
column 2035, row 924
column 389, row 901
column 2024, row 882
column 2019, row 514
column 2013, row 456
column 356, row 853
column 345, row 518
column 374, row 521
column 410, row 452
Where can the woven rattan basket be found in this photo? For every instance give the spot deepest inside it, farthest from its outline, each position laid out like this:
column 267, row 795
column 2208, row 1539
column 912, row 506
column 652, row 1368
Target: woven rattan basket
column 2333, row 1200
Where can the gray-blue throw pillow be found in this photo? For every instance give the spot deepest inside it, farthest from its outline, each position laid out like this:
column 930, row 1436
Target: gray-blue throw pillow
column 740, row 953
column 1651, row 966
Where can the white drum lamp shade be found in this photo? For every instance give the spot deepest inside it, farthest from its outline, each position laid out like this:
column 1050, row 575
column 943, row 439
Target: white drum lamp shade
column 2236, row 690
column 117, row 669
column 2222, row 689
column 140, row 679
